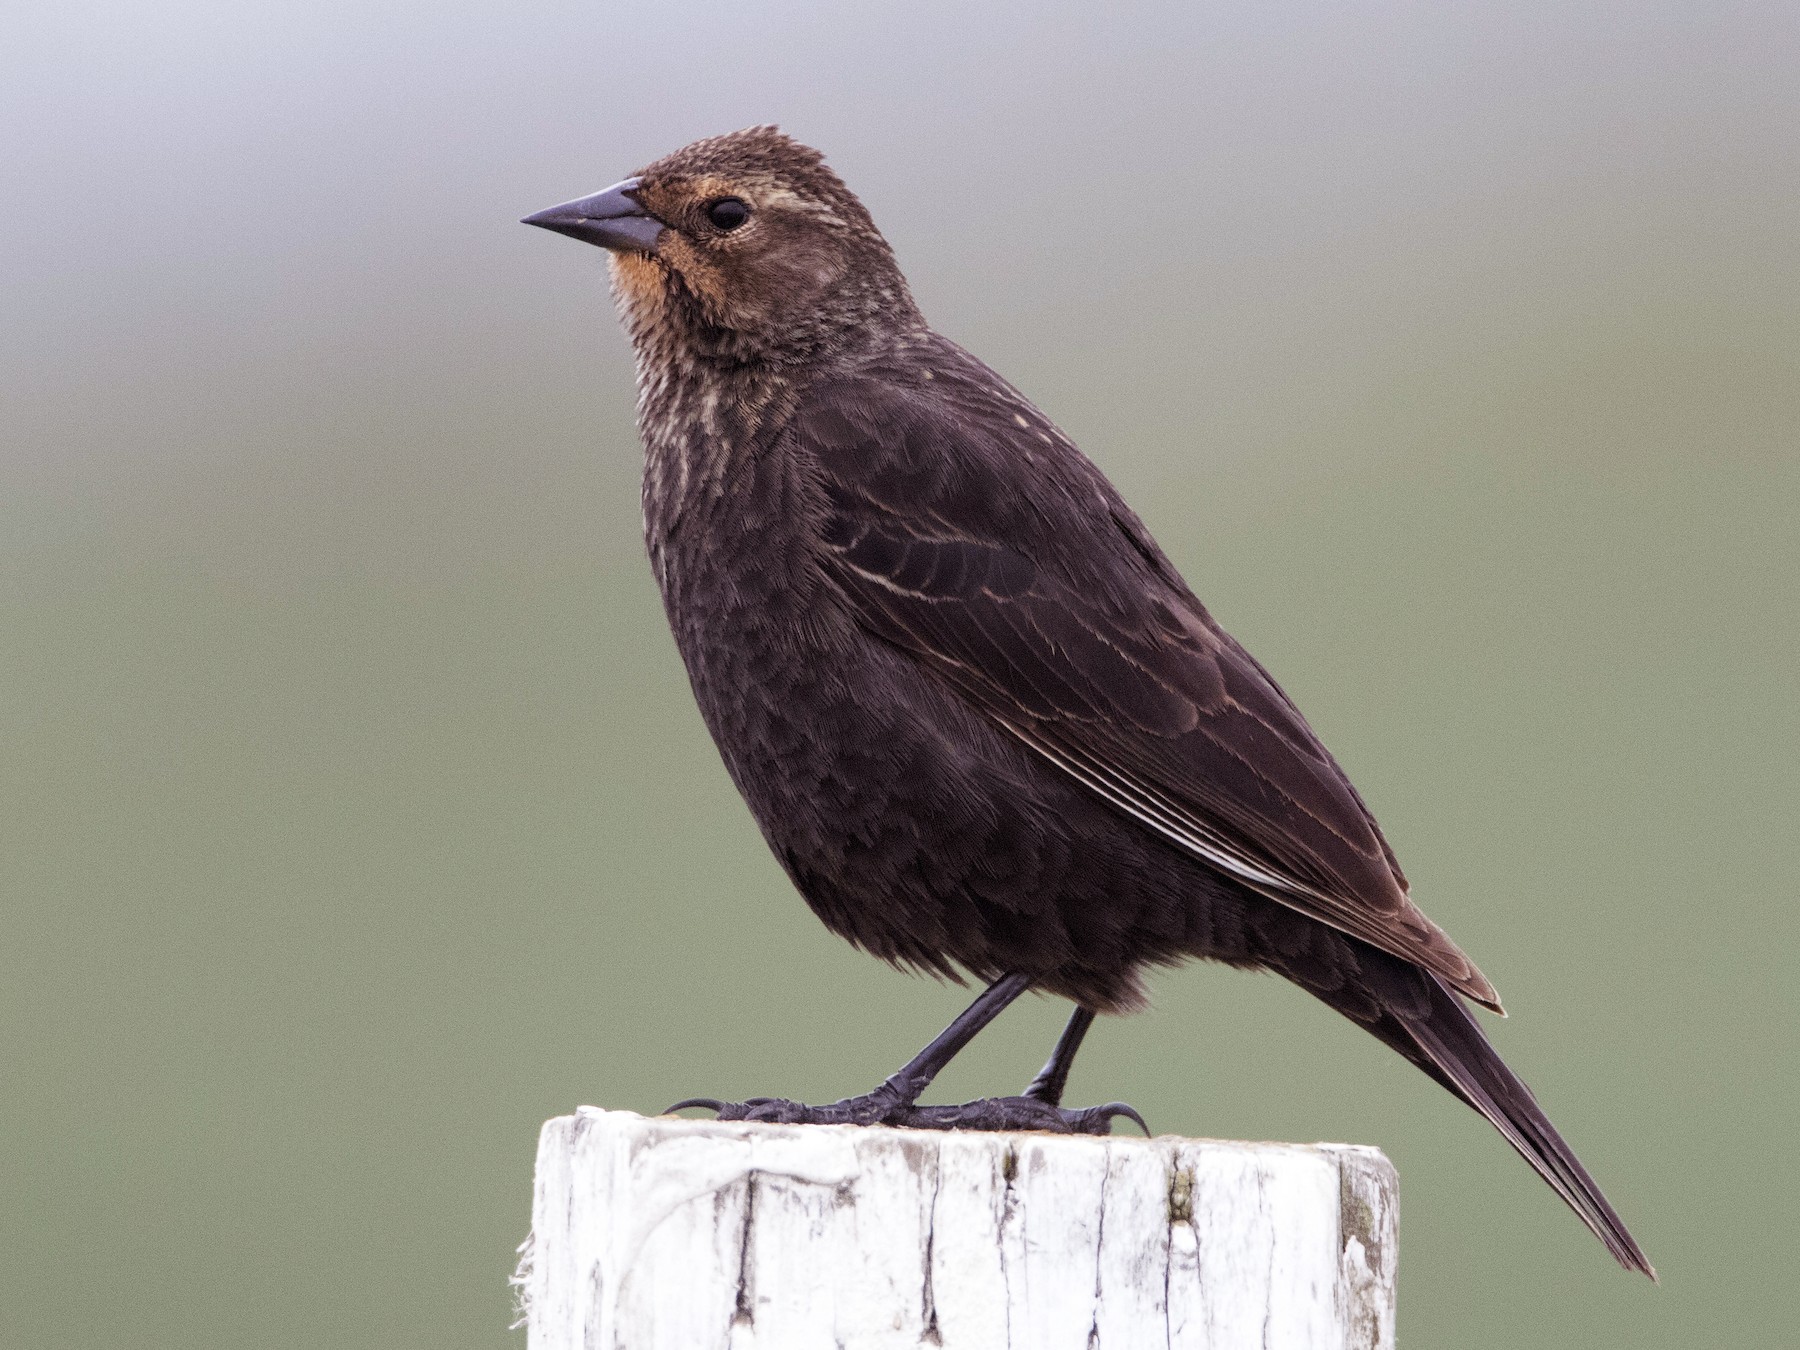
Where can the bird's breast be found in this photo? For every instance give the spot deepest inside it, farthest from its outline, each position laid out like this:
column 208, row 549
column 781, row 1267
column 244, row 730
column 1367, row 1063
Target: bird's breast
column 728, row 541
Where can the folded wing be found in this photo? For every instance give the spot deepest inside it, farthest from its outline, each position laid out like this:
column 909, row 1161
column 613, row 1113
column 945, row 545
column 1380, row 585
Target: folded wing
column 1076, row 636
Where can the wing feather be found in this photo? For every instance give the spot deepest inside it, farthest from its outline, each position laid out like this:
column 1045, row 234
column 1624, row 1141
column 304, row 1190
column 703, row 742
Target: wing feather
column 1013, row 576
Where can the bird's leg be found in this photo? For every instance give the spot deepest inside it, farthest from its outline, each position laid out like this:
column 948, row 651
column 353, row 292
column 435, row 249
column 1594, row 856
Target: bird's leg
column 906, row 1084
column 898, row 1091
column 1040, row 1107
column 893, row 1102
column 1048, row 1086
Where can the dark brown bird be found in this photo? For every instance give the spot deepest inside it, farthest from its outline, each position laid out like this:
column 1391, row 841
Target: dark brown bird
column 981, row 719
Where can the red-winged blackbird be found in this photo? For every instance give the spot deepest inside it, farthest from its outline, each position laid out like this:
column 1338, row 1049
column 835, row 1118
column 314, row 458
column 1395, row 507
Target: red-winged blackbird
column 980, row 718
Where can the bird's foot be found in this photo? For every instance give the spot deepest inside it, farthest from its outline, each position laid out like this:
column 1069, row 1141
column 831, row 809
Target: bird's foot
column 1021, row 1113
column 872, row 1108
column 883, row 1108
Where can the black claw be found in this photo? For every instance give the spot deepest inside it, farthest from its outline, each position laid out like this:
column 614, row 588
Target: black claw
column 709, row 1103
column 766, row 1110
column 872, row 1109
column 991, row 1113
column 777, row 1110
column 1099, row 1119
column 1021, row 1113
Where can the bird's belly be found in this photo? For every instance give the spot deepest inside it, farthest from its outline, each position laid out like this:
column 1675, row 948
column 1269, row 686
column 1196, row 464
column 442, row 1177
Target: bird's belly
column 915, row 827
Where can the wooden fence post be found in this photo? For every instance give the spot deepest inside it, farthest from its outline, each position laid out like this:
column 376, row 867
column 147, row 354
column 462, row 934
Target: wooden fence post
column 666, row 1234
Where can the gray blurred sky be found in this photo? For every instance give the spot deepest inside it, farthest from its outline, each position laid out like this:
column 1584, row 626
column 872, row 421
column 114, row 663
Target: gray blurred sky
column 190, row 186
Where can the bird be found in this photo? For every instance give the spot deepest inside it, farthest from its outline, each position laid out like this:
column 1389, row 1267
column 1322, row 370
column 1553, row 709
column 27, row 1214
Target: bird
column 981, row 720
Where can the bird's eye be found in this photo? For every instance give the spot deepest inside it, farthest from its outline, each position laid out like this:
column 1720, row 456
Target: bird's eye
column 727, row 213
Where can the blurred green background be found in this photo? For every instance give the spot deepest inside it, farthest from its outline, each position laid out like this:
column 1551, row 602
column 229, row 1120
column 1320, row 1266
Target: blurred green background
column 356, row 817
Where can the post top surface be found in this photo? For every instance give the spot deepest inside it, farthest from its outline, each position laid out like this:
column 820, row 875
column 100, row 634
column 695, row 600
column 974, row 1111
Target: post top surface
column 664, row 1232
column 590, row 1117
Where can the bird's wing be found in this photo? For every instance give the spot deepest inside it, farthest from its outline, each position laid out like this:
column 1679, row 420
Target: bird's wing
column 1003, row 562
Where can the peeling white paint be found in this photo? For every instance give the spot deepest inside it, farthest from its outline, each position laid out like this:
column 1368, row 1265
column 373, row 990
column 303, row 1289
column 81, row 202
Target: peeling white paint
column 665, row 1234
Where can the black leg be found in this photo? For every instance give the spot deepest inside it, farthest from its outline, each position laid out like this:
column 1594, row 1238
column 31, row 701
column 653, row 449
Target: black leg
column 894, row 1102
column 1048, row 1086
column 916, row 1076
column 891, row 1102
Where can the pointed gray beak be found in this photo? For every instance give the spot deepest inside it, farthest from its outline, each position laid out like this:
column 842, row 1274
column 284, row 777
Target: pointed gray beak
column 612, row 219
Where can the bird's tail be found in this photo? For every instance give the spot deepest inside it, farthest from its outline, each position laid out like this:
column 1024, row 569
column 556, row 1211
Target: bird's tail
column 1418, row 1015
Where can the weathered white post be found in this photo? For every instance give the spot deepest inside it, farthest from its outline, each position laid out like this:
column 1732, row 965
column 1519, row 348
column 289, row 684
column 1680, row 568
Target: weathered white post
column 666, row 1234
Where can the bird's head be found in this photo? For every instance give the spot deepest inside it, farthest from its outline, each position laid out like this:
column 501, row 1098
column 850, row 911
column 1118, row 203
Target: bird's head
column 741, row 247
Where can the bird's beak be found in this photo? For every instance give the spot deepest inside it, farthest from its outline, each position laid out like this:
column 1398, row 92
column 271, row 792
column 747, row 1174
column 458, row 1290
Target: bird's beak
column 612, row 219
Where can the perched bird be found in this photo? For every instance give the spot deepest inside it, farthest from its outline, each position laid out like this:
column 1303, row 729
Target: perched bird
column 979, row 716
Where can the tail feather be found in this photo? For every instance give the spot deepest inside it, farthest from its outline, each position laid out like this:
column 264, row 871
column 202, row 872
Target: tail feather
column 1434, row 1029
